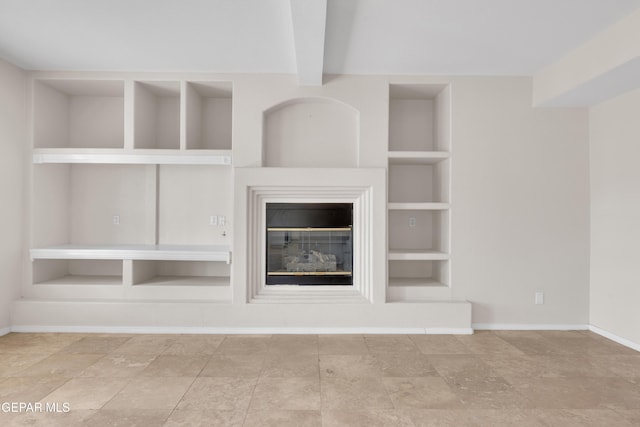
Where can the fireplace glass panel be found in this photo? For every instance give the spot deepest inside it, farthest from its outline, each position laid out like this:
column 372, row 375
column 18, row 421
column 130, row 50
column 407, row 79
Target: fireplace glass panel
column 315, row 249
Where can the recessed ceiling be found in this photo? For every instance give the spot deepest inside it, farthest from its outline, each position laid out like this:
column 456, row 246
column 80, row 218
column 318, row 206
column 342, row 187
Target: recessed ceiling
column 470, row 37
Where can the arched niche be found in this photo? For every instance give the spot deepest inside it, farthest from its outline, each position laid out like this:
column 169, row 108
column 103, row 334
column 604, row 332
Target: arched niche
column 311, row 132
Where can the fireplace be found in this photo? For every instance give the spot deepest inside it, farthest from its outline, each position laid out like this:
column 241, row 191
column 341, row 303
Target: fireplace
column 309, row 243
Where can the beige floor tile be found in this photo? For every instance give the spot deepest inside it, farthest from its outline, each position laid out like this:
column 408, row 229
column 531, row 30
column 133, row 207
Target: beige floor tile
column 278, row 418
column 624, row 366
column 61, row 364
column 118, row 366
column 631, row 416
column 349, row 366
column 407, row 364
column 175, row 366
column 354, row 394
column 293, row 344
column 128, row 418
column 439, row 344
column 36, row 343
column 367, row 418
column 544, row 366
column 86, row 393
column 487, row 342
column 286, row 394
column 424, row 393
column 147, row 344
column 234, row 365
column 390, row 343
column 195, row 345
column 475, row 417
column 223, row 393
column 11, row 364
column 150, row 393
column 290, row 365
column 461, row 367
column 584, row 418
column 342, row 345
column 578, row 393
column 488, row 393
column 491, row 378
column 205, row 418
column 95, row 344
column 536, row 344
column 589, row 345
column 47, row 419
column 28, row 389
column 242, row 344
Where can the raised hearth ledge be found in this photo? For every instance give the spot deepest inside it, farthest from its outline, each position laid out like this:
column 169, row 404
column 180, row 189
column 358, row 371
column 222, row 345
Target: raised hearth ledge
column 365, row 188
column 451, row 317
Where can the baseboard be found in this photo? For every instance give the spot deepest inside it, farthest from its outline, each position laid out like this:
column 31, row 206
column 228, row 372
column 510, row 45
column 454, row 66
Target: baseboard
column 529, row 327
column 613, row 337
column 234, row 331
column 5, row 331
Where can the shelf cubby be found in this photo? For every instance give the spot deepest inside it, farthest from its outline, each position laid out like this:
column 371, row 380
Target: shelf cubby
column 208, row 115
column 77, row 204
column 77, row 272
column 418, row 280
column 180, row 273
column 419, row 183
column 157, row 115
column 416, row 231
column 78, row 113
column 418, row 117
column 418, row 273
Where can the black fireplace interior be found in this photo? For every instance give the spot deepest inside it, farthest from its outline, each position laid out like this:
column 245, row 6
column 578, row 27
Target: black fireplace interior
column 309, row 244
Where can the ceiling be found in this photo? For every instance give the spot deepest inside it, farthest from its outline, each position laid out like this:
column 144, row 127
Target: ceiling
column 469, row 37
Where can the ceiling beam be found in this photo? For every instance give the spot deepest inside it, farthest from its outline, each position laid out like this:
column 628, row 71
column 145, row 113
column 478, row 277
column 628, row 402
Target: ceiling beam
column 309, row 18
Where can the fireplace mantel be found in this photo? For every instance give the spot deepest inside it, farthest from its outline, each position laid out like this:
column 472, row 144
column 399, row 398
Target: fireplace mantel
column 364, row 188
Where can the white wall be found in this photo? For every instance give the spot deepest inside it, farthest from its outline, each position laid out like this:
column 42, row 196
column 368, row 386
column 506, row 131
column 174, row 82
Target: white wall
column 520, row 190
column 12, row 145
column 615, row 214
column 519, row 205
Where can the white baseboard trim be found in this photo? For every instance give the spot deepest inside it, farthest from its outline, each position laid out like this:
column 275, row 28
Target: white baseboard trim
column 613, row 337
column 529, row 327
column 234, row 331
column 5, row 331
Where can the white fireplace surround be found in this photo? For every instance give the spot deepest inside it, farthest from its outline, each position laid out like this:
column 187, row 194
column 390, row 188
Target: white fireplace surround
column 364, row 188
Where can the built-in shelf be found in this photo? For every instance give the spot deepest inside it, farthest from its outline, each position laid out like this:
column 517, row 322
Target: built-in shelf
column 413, row 282
column 416, row 255
column 399, row 206
column 135, row 252
column 108, row 156
column 417, row 157
column 418, row 209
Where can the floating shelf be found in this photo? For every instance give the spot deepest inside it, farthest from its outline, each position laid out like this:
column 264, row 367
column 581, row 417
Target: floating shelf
column 410, row 206
column 135, row 252
column 145, row 156
column 416, row 255
column 417, row 157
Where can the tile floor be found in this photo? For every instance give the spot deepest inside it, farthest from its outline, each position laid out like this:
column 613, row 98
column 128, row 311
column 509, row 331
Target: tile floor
column 487, row 379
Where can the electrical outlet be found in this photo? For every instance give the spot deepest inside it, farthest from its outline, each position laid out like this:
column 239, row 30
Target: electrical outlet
column 116, row 220
column 213, row 220
column 539, row 298
column 412, row 222
column 221, row 221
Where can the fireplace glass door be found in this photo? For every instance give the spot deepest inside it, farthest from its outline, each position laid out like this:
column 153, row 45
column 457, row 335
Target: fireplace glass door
column 309, row 244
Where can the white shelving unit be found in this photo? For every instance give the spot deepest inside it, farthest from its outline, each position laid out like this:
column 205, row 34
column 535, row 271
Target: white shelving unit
column 419, row 159
column 122, row 202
